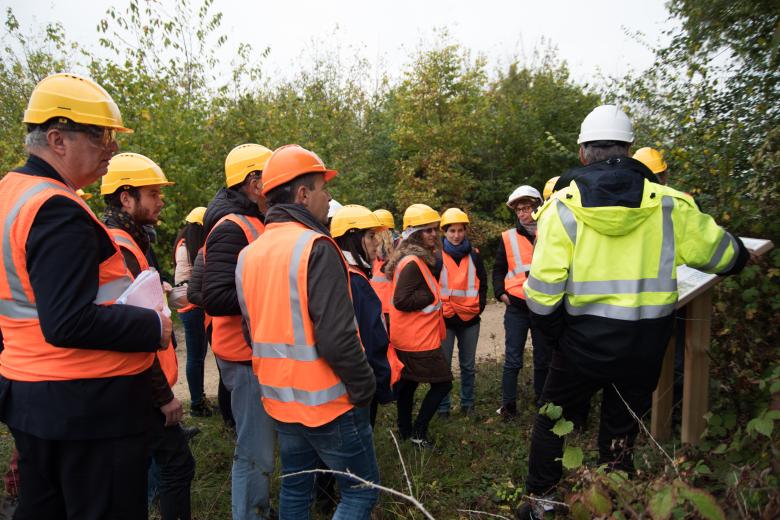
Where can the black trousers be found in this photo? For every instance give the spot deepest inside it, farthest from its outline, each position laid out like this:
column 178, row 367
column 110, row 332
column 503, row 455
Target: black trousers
column 91, row 479
column 172, row 454
column 430, row 403
column 569, row 388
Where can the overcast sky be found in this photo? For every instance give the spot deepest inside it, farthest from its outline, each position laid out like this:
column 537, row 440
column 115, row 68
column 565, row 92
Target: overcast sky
column 591, row 36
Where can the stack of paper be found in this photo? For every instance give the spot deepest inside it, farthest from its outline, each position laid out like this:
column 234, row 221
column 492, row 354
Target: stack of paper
column 146, row 291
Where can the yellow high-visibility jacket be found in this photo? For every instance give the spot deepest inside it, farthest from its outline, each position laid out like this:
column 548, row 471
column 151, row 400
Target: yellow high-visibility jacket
column 612, row 268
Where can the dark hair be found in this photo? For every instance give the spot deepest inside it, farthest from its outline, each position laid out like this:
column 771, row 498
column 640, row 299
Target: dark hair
column 194, row 236
column 285, row 194
column 596, row 151
column 114, row 199
column 352, row 241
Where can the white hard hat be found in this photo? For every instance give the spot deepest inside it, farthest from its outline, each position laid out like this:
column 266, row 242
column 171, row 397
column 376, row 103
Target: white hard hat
column 606, row 123
column 333, row 207
column 523, row 191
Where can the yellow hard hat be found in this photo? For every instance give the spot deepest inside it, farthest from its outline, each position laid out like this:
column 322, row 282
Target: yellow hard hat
column 196, row 215
column 83, row 194
column 352, row 216
column 132, row 169
column 385, row 218
column 77, row 98
column 243, row 160
column 419, row 215
column 549, row 186
column 651, row 158
column 453, row 216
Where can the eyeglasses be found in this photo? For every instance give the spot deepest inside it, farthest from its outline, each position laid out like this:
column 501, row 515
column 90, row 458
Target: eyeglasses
column 525, row 209
column 103, row 134
column 429, row 230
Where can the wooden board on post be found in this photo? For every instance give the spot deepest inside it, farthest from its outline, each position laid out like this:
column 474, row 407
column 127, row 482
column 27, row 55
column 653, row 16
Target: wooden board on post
column 663, row 397
column 697, row 368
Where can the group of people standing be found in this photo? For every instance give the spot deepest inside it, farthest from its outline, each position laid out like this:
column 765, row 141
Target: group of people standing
column 315, row 318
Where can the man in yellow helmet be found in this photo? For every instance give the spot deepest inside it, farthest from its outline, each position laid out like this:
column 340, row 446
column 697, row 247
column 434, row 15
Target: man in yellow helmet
column 75, row 371
column 603, row 285
column 653, row 159
column 233, row 220
column 132, row 190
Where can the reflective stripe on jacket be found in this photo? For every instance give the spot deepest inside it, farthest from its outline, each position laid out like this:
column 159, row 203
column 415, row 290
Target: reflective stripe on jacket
column 26, row 355
column 297, row 385
column 418, row 330
column 189, row 306
column 227, row 340
column 519, row 252
column 459, row 287
column 382, row 286
column 168, row 361
column 618, row 262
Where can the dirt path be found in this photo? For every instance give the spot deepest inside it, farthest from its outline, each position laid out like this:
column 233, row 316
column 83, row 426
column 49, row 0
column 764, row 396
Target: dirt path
column 491, row 346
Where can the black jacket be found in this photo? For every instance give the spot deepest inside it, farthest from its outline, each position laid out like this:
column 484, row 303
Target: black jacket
column 218, row 289
column 455, row 322
column 623, row 163
column 64, row 250
column 501, row 267
column 330, row 308
column 195, row 284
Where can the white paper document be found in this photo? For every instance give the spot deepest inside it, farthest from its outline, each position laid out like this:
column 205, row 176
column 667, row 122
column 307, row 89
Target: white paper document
column 146, row 291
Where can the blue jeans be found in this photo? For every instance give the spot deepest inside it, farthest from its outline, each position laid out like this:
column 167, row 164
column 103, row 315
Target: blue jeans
column 517, row 322
column 253, row 461
column 344, row 444
column 467, row 353
column 195, row 336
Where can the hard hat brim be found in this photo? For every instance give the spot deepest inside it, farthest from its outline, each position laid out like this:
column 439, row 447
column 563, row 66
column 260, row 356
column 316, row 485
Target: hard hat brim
column 330, row 174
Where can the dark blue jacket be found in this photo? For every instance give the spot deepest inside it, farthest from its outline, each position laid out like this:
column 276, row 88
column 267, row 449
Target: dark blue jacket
column 373, row 334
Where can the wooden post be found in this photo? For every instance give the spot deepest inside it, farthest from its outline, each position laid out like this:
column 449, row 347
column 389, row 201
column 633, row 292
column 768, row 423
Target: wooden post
column 697, row 367
column 661, row 418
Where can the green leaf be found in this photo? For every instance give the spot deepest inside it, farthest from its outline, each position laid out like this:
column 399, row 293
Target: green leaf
column 598, row 501
column 703, row 502
column 551, row 411
column 720, row 449
column 572, row 457
column 562, row 427
column 762, row 425
column 661, row 503
column 772, row 414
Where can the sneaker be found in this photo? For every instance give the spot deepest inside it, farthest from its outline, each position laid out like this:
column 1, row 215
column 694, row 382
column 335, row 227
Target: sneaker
column 202, row 409
column 423, row 443
column 534, row 509
column 507, row 412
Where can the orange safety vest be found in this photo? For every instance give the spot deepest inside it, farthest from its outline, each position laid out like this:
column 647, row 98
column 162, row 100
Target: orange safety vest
column 459, row 287
column 27, row 356
column 396, row 365
column 383, row 287
column 189, row 306
column 227, row 337
column 519, row 252
column 418, row 330
column 297, row 385
column 168, row 361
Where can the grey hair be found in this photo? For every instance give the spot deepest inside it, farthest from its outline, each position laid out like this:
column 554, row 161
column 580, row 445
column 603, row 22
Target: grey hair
column 36, row 138
column 597, row 151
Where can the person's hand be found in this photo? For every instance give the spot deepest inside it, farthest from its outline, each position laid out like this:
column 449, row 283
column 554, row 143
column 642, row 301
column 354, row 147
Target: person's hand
column 167, row 328
column 166, row 287
column 505, row 299
column 172, row 411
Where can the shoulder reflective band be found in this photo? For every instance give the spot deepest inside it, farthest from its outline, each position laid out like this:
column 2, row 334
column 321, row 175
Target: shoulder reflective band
column 20, row 306
column 471, row 277
column 379, row 277
column 300, row 350
column 568, row 220
column 520, row 267
column 248, row 226
column 123, row 240
column 296, row 395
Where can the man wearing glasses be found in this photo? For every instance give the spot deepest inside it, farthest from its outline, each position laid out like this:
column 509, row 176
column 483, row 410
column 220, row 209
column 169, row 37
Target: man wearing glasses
column 513, row 261
column 74, row 373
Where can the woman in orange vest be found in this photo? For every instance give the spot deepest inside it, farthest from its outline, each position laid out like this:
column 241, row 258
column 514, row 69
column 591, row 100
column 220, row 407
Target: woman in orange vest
column 383, row 286
column 418, row 324
column 354, row 228
column 463, row 282
column 510, row 271
column 188, row 242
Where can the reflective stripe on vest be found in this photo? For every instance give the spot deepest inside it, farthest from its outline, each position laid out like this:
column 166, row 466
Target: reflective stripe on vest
column 27, row 356
column 418, row 330
column 519, row 252
column 296, row 384
column 665, row 282
column 228, row 342
column 167, row 357
column 459, row 289
column 383, row 287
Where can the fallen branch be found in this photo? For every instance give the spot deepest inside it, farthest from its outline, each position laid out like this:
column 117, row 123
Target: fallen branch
column 367, row 483
column 403, row 465
column 483, row 513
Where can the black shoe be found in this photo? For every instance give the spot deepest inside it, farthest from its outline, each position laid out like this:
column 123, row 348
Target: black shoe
column 526, row 512
column 422, row 442
column 534, row 509
column 189, row 432
column 203, row 409
column 508, row 411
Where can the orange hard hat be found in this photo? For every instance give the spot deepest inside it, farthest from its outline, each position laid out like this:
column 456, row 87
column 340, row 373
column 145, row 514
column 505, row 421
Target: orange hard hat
column 291, row 161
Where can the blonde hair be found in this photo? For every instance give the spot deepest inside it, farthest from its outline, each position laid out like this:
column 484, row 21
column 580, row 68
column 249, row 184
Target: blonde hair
column 385, row 247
